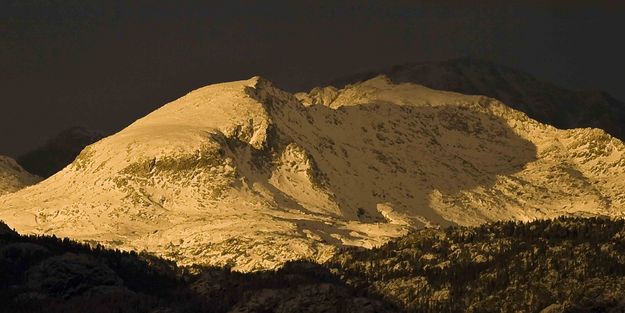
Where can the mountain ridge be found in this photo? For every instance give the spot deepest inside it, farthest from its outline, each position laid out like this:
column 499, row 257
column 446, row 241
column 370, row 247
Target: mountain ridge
column 58, row 152
column 543, row 101
column 246, row 175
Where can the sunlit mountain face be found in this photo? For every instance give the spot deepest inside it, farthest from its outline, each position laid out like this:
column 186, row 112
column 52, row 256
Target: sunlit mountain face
column 243, row 174
column 312, row 157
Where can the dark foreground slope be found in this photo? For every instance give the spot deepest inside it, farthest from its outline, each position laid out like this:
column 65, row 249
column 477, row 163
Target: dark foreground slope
column 565, row 265
column 47, row 274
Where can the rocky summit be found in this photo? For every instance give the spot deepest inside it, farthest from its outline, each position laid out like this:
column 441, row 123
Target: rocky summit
column 246, row 175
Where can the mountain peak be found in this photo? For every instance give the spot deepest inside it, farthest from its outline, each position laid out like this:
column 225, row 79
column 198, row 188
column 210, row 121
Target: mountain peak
column 258, row 81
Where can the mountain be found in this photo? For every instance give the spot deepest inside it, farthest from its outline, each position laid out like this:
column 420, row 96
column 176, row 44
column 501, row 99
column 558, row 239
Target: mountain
column 542, row 101
column 245, row 175
column 58, row 152
column 13, row 177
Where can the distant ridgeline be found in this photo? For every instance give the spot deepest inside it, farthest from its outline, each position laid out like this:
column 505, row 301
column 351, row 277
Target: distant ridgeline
column 562, row 265
column 58, row 152
column 542, row 101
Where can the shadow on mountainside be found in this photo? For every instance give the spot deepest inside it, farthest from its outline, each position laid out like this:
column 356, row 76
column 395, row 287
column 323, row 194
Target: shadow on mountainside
column 406, row 152
column 383, row 154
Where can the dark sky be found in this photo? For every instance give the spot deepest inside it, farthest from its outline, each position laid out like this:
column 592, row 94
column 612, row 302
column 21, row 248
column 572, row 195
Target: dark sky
column 104, row 64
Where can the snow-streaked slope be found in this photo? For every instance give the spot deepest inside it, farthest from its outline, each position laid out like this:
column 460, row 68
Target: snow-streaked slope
column 247, row 175
column 13, row 177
